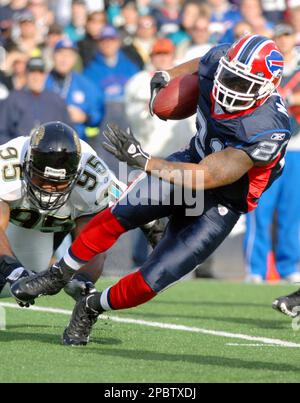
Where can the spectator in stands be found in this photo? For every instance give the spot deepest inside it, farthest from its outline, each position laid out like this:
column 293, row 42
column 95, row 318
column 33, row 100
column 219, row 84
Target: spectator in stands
column 191, row 11
column 6, row 34
column 168, row 16
column 241, row 29
column 109, row 72
column 85, row 102
column 28, row 108
column 44, row 18
column 16, row 71
column 3, row 91
column 274, row 10
column 128, row 21
column 113, row 10
column 88, row 47
column 224, row 16
column 252, row 13
column 140, row 48
column 76, row 29
column 6, row 82
column 29, row 41
column 5, row 85
column 144, row 7
column 54, row 35
column 172, row 135
column 295, row 21
column 282, row 199
column 93, row 5
column 14, row 7
column 111, row 68
column 199, row 44
column 125, row 12
column 63, row 9
column 285, row 36
column 252, row 22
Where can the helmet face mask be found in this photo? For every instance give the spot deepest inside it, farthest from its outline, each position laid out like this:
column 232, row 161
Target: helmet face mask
column 238, row 90
column 52, row 165
column 239, row 86
column 37, row 184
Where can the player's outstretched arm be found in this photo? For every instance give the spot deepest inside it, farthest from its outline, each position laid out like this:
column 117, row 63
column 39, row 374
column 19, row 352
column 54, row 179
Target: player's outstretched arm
column 189, row 67
column 218, row 169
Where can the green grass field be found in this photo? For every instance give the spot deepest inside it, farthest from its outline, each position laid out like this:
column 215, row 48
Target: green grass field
column 30, row 349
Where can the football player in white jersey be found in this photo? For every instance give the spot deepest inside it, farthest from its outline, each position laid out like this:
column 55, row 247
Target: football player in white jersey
column 51, row 183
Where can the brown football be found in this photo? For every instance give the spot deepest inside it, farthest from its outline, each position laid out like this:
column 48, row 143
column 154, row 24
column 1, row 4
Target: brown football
column 179, row 99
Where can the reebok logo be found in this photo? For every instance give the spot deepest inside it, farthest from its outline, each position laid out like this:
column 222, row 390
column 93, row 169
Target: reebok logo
column 278, row 136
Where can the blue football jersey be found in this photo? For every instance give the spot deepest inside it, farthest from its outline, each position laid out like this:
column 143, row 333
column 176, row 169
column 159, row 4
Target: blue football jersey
column 262, row 132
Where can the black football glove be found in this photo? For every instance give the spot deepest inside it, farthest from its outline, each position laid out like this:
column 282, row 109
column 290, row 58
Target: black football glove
column 154, row 231
column 124, row 146
column 160, row 80
column 11, row 270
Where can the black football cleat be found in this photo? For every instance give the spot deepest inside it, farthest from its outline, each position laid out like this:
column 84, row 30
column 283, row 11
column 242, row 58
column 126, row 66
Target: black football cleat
column 49, row 282
column 82, row 321
column 289, row 305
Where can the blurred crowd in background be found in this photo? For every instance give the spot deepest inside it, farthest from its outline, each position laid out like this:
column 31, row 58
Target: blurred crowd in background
column 89, row 62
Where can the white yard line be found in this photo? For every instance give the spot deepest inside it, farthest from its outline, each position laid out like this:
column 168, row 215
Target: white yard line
column 248, row 345
column 168, row 326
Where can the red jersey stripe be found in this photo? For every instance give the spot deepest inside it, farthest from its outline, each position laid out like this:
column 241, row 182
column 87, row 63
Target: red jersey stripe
column 258, row 182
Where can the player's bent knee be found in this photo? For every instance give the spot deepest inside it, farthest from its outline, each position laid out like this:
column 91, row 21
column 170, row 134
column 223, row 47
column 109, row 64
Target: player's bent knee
column 160, row 275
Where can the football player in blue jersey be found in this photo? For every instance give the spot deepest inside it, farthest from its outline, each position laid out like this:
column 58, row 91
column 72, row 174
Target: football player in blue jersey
column 242, row 132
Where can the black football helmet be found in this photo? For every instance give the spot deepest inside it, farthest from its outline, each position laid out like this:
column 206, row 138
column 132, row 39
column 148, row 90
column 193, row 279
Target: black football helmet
column 53, row 158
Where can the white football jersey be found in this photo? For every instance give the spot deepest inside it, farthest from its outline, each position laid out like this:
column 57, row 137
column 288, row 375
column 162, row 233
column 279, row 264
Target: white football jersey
column 95, row 190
